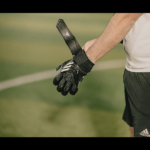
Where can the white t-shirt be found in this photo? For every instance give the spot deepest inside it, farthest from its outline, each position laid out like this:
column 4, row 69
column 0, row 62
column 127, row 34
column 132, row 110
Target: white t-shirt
column 137, row 45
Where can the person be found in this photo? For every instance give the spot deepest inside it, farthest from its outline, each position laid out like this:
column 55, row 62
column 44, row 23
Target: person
column 132, row 29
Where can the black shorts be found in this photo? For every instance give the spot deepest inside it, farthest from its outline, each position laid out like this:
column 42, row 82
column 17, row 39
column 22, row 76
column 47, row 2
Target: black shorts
column 137, row 96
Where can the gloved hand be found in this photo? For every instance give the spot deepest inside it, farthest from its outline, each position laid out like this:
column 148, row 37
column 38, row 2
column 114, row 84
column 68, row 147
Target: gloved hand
column 73, row 72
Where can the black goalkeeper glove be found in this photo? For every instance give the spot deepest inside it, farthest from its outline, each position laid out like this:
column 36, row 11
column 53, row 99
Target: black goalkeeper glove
column 73, row 72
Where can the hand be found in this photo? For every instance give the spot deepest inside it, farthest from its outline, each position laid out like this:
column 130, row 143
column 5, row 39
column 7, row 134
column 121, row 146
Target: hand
column 73, row 72
column 88, row 44
column 69, row 77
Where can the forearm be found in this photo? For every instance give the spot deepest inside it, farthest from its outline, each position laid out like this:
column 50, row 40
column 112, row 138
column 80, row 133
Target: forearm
column 117, row 28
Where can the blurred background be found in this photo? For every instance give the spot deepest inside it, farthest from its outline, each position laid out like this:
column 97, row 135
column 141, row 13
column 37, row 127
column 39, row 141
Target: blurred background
column 30, row 44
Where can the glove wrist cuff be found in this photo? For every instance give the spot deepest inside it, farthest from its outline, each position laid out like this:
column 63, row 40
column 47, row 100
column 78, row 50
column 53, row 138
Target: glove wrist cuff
column 83, row 61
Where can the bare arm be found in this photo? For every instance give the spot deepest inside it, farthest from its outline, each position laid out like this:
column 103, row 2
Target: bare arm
column 117, row 28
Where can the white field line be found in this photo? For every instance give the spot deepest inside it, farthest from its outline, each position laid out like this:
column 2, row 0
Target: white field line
column 52, row 73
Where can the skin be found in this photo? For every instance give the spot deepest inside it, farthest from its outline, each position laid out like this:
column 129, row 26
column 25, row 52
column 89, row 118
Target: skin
column 119, row 25
column 117, row 28
column 131, row 129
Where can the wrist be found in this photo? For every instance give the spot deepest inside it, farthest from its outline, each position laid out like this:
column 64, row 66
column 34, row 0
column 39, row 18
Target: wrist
column 90, row 57
column 83, row 61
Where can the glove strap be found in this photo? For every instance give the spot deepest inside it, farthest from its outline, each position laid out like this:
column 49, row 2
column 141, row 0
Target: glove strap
column 83, row 61
column 69, row 38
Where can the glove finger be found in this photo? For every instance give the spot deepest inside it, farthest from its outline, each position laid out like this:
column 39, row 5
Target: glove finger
column 61, row 85
column 66, row 88
column 74, row 89
column 64, row 93
column 57, row 79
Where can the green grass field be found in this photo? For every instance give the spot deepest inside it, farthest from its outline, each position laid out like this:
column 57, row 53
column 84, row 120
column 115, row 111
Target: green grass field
column 31, row 43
